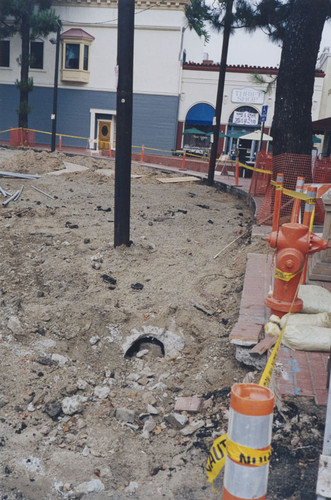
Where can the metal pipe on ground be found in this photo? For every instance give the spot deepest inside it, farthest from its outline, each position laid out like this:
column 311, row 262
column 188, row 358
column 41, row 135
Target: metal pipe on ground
column 5, row 203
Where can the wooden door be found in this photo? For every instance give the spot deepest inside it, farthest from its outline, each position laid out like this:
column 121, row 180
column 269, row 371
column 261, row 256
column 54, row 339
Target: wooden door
column 104, row 134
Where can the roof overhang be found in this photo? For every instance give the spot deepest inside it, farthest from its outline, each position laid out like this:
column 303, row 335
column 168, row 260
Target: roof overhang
column 321, row 126
column 155, row 4
column 75, row 33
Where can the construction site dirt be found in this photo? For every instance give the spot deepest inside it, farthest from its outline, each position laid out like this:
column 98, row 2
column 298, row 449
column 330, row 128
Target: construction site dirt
column 98, row 345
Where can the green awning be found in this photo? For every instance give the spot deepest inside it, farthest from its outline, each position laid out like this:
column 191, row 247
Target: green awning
column 316, row 140
column 193, row 131
column 219, row 135
column 237, row 134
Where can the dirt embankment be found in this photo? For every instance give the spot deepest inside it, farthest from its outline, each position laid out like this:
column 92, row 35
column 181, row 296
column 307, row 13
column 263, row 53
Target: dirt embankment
column 85, row 410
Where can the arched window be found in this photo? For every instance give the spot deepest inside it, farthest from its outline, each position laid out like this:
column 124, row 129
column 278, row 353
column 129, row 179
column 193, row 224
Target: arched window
column 200, row 114
column 198, row 127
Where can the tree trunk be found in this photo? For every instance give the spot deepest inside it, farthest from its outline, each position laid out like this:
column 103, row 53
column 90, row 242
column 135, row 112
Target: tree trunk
column 220, row 91
column 24, row 83
column 292, row 122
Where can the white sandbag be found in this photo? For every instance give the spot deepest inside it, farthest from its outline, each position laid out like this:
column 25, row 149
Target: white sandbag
column 307, row 338
column 315, row 299
column 271, row 328
column 320, row 319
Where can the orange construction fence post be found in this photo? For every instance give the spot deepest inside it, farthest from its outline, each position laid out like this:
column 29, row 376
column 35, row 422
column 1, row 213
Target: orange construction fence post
column 183, row 160
column 237, row 171
column 60, row 143
column 277, row 202
column 297, row 202
column 248, row 444
column 142, row 154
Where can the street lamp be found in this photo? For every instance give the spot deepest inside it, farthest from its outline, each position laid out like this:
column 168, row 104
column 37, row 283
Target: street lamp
column 56, row 78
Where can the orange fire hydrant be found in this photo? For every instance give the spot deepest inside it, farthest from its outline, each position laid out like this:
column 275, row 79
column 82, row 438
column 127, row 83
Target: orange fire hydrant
column 293, row 243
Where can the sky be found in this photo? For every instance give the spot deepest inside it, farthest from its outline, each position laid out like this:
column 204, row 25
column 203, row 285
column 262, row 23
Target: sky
column 245, row 48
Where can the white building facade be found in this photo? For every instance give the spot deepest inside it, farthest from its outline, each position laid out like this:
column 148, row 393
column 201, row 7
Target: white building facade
column 169, row 94
column 88, row 73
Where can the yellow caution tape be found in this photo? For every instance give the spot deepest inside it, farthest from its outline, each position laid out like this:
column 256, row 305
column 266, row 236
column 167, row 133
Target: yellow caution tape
column 244, row 455
column 255, row 169
column 294, row 194
column 282, row 275
column 269, row 368
column 248, row 456
column 267, row 373
column 8, row 130
column 216, row 458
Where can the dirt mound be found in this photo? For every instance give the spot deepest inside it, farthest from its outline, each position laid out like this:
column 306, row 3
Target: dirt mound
column 97, row 344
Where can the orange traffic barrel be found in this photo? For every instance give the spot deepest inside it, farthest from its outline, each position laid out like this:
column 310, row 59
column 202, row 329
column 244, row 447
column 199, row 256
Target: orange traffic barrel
column 249, row 438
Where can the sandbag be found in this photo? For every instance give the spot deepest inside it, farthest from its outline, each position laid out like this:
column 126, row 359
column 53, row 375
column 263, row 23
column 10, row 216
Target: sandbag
column 315, row 299
column 307, row 338
column 320, row 319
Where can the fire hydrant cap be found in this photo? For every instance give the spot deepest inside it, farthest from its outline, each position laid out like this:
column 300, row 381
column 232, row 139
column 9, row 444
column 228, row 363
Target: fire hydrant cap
column 290, row 260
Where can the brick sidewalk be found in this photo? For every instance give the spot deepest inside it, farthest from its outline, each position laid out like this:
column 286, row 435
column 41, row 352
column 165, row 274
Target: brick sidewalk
column 299, row 373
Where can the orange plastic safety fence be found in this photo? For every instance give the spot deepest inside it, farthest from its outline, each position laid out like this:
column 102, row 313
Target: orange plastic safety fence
column 260, row 181
column 322, row 170
column 292, row 166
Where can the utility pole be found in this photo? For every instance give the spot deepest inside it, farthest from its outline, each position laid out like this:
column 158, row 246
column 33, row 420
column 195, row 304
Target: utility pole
column 125, row 37
column 220, row 91
column 56, row 80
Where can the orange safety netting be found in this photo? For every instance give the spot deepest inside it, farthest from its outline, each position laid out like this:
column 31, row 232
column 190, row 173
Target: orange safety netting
column 292, row 166
column 322, row 170
column 260, row 180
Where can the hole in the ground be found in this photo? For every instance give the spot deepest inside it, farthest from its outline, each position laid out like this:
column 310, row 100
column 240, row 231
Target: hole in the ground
column 154, row 346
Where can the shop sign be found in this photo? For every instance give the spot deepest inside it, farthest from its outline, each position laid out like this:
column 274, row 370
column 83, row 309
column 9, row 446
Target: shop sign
column 245, row 118
column 248, row 95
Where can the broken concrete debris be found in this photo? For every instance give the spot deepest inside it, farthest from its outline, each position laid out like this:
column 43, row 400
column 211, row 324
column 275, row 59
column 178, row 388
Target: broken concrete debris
column 73, row 404
column 125, row 415
column 89, row 487
column 177, row 420
column 101, row 392
column 172, row 343
column 191, row 404
column 15, row 325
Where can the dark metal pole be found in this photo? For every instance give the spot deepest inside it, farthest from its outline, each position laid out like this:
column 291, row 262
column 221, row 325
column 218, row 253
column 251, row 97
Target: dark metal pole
column 262, row 132
column 220, row 91
column 125, row 37
column 56, row 79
